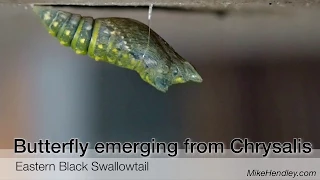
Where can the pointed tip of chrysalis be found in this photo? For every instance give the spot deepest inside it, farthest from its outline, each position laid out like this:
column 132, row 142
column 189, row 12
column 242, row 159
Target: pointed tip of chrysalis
column 195, row 77
column 192, row 74
column 52, row 19
column 46, row 13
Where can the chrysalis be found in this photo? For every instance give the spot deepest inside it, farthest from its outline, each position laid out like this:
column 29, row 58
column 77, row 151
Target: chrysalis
column 122, row 42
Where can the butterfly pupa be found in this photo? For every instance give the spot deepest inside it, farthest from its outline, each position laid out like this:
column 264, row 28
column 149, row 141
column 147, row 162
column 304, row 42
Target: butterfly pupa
column 122, row 42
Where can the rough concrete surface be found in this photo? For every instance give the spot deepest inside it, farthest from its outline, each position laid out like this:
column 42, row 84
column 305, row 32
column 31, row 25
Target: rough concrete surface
column 210, row 4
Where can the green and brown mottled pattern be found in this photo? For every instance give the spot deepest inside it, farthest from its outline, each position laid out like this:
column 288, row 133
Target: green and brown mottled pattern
column 122, row 42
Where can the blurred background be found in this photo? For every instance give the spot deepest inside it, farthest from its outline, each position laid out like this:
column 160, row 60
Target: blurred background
column 261, row 80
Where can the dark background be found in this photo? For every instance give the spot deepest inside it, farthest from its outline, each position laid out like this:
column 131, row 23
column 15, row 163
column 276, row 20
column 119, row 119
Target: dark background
column 260, row 74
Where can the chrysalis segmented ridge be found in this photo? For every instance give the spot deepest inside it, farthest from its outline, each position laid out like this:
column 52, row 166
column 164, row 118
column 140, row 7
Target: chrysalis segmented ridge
column 85, row 35
column 68, row 30
column 81, row 39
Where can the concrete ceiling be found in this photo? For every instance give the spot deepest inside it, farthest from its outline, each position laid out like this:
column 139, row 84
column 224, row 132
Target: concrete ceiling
column 208, row 4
